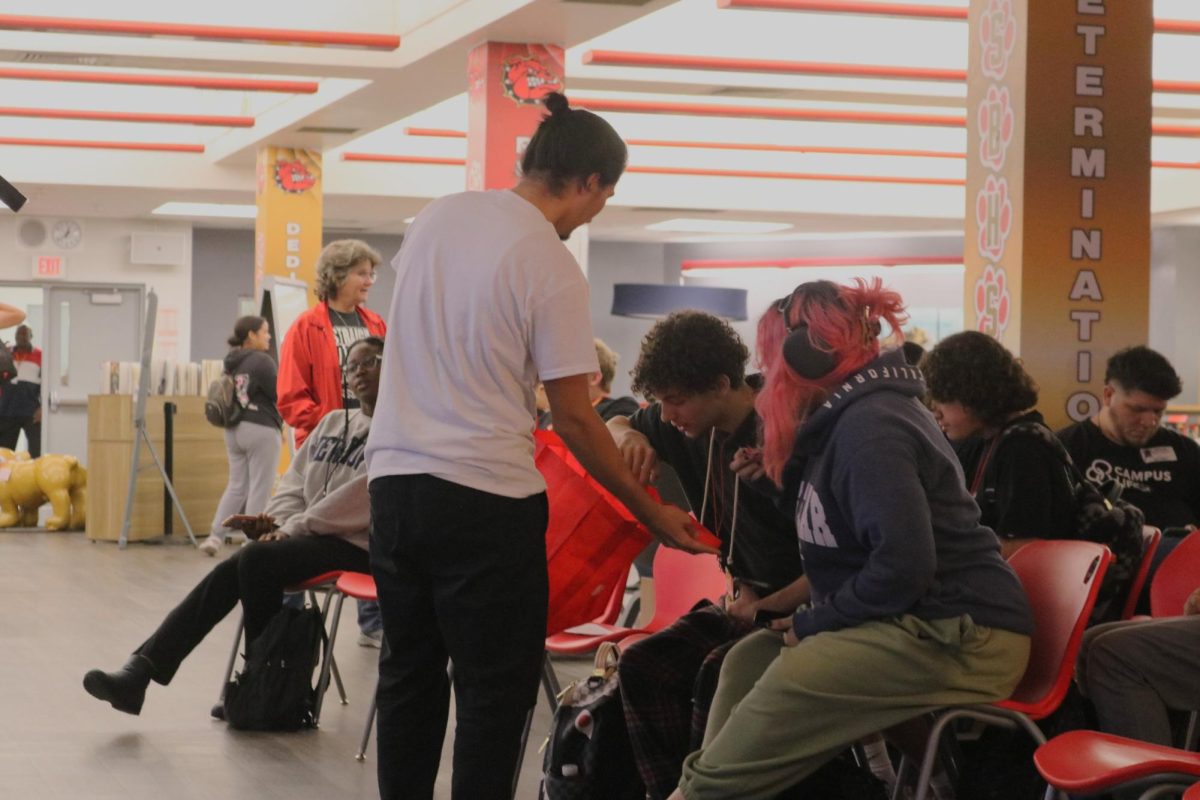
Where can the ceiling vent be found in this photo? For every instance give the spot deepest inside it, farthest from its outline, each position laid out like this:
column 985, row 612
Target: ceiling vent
column 673, row 211
column 762, row 94
column 63, row 58
column 327, row 129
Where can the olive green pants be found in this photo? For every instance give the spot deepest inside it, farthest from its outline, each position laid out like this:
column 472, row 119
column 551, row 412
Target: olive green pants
column 781, row 712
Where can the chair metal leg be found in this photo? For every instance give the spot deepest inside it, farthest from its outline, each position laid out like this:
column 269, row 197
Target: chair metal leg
column 1191, row 740
column 550, row 683
column 361, row 755
column 521, row 751
column 237, row 640
column 327, row 664
column 324, row 606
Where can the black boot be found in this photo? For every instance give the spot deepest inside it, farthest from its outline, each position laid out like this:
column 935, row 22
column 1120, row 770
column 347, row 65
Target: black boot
column 125, row 689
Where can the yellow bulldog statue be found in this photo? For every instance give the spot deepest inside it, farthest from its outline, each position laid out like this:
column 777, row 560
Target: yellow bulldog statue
column 25, row 485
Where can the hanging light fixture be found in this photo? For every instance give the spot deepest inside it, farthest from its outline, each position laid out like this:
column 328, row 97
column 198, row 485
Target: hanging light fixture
column 656, row 300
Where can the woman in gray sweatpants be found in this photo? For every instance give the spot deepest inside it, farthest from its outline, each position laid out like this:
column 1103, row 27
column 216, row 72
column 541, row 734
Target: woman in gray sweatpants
column 253, row 444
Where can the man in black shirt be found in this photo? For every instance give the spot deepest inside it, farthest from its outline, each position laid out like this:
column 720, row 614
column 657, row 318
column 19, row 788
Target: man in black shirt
column 1157, row 469
column 693, row 365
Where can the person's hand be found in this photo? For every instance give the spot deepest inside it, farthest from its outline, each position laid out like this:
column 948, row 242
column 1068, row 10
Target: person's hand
column 747, row 464
column 1192, row 604
column 37, row 415
column 674, row 527
column 742, row 604
column 261, row 527
column 273, row 536
column 639, row 456
column 785, row 627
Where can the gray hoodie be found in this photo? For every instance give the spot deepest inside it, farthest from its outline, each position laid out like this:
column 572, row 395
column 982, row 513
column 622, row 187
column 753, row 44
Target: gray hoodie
column 885, row 522
column 324, row 491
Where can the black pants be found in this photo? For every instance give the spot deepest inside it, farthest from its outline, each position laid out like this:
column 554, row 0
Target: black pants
column 461, row 574
column 256, row 575
column 10, row 429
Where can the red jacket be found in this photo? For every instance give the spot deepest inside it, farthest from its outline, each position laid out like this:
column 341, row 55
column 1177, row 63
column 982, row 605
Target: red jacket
column 310, row 380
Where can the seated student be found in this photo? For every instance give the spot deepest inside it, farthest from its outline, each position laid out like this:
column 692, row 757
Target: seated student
column 322, row 513
column 693, row 364
column 1137, row 672
column 1157, row 468
column 599, row 389
column 978, row 391
column 913, row 607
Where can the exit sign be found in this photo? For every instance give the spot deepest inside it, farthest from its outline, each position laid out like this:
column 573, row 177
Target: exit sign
column 49, row 267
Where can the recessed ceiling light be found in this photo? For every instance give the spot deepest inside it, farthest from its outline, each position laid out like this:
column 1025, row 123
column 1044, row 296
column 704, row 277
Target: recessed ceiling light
column 688, row 225
column 226, row 210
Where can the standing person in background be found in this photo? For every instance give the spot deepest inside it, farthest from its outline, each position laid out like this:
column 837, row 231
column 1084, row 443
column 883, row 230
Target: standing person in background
column 21, row 401
column 315, row 347
column 487, row 302
column 311, row 378
column 599, row 391
column 253, row 444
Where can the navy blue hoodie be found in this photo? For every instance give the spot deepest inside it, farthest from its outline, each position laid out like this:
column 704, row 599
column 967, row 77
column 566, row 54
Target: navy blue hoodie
column 885, row 522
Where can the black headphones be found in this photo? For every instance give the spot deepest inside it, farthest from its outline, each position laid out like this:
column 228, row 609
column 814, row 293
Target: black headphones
column 808, row 356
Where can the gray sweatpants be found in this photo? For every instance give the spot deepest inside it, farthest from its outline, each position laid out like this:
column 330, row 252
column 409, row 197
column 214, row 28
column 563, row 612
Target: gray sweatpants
column 1135, row 671
column 253, row 466
column 781, row 712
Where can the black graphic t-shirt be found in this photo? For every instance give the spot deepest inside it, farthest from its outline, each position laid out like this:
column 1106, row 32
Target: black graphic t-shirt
column 1162, row 477
column 348, row 328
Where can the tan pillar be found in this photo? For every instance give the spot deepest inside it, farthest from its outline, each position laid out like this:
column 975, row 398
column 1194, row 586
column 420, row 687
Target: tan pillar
column 1058, row 187
column 287, row 229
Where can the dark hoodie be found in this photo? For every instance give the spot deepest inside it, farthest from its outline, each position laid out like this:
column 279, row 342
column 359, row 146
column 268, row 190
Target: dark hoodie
column 254, row 372
column 885, row 523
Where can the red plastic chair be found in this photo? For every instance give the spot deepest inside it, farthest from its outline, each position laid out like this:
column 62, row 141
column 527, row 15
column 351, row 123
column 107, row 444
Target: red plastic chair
column 360, row 586
column 317, row 583
column 1151, row 539
column 1061, row 578
column 1177, row 577
column 680, row 581
column 1192, row 793
column 1089, row 762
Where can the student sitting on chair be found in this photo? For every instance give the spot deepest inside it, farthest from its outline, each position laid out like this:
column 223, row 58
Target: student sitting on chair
column 318, row 521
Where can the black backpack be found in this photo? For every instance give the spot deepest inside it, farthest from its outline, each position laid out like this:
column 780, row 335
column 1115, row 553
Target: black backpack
column 274, row 691
column 1100, row 516
column 588, row 756
column 221, row 406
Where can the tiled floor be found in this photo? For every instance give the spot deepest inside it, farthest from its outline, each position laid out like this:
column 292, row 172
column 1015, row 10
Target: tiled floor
column 69, row 605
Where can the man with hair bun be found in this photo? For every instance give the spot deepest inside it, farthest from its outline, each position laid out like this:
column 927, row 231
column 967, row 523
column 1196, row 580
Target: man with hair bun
column 487, row 303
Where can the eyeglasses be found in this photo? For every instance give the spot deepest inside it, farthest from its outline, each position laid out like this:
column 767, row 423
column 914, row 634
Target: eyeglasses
column 370, row 362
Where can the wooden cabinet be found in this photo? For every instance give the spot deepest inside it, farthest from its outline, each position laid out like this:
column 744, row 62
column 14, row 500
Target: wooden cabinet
column 200, row 470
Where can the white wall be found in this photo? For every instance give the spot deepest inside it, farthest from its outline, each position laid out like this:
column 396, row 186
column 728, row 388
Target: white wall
column 103, row 257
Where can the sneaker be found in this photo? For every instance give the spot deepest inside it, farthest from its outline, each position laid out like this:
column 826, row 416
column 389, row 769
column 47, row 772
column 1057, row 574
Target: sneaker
column 371, row 639
column 211, row 545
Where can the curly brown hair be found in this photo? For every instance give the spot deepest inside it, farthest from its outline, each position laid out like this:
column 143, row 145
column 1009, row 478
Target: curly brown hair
column 688, row 352
column 977, row 371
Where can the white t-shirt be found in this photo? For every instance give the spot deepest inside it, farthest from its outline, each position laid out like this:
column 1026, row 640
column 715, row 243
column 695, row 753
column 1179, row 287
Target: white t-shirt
column 487, row 302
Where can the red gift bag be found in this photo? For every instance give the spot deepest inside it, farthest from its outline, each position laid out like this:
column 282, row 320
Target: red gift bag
column 590, row 541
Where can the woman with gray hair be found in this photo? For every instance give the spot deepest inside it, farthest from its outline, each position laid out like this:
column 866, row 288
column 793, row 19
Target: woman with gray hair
column 311, row 383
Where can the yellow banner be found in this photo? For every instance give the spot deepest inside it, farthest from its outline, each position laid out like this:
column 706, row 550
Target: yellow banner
column 287, row 230
column 1058, row 188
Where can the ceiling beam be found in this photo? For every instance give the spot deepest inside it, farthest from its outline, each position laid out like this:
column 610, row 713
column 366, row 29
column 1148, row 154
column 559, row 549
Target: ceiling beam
column 157, row 147
column 223, row 121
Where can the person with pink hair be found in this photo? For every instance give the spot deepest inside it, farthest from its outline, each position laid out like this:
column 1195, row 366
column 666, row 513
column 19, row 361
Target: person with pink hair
column 912, row 607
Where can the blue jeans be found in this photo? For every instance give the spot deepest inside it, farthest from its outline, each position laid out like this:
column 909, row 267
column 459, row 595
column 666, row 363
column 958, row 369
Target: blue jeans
column 369, row 618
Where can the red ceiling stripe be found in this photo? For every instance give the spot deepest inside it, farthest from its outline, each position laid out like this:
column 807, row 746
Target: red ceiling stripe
column 628, row 59
column 1177, row 26
column 796, row 176
column 787, row 148
column 161, row 147
column 440, row 132
column 1176, row 164
column 214, row 32
column 849, row 261
column 770, row 112
column 1177, row 87
column 846, row 7
column 1164, row 129
column 129, row 116
column 174, row 81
